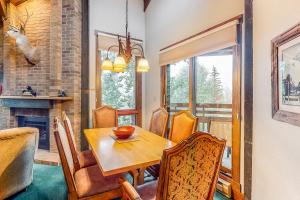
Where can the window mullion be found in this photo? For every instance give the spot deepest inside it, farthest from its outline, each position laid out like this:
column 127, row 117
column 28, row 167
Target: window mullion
column 192, row 84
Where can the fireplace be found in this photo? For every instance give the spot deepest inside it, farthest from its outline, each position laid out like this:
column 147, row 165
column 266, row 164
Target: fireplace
column 42, row 123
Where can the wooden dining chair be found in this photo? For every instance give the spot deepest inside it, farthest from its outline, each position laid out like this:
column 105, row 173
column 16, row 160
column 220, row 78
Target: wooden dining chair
column 222, row 129
column 105, row 117
column 190, row 171
column 158, row 125
column 80, row 159
column 183, row 124
column 159, row 122
column 86, row 183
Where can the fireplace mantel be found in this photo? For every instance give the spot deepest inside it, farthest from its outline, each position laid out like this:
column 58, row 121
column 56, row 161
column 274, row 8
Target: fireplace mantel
column 42, row 102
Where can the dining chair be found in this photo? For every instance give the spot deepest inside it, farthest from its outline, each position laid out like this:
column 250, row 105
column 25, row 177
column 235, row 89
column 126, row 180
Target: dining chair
column 85, row 183
column 158, row 125
column 183, row 124
column 222, row 129
column 105, row 117
column 81, row 159
column 190, row 171
column 159, row 122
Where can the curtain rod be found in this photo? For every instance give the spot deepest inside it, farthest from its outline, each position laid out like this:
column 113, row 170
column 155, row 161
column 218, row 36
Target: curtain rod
column 239, row 18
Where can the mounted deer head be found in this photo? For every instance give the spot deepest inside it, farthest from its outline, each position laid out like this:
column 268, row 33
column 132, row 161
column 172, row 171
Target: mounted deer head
column 31, row 53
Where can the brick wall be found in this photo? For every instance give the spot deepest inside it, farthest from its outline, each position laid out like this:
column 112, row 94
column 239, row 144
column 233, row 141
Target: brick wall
column 71, row 60
column 55, row 28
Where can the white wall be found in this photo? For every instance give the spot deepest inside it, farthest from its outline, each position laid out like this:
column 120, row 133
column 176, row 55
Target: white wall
column 169, row 21
column 109, row 16
column 276, row 146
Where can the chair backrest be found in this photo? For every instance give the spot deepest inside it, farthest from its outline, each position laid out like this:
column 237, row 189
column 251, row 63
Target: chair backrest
column 183, row 124
column 64, row 154
column 159, row 122
column 71, row 140
column 105, row 117
column 222, row 129
column 190, row 169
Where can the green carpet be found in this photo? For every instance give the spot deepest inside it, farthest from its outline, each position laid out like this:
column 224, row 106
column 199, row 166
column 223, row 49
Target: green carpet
column 49, row 184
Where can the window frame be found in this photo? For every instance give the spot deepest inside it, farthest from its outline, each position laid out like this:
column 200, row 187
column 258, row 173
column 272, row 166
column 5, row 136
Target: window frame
column 137, row 111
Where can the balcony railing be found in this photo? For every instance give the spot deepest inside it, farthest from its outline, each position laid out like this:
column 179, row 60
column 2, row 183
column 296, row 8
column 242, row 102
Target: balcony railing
column 206, row 113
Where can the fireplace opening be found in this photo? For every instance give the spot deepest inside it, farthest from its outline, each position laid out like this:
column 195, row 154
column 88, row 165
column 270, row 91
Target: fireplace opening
column 42, row 123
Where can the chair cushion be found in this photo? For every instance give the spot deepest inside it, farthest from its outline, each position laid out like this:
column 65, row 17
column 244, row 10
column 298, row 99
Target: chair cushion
column 86, row 159
column 90, row 181
column 148, row 190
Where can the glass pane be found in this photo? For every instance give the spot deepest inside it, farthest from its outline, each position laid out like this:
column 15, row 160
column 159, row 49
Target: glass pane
column 127, row 120
column 178, row 84
column 118, row 89
column 214, row 96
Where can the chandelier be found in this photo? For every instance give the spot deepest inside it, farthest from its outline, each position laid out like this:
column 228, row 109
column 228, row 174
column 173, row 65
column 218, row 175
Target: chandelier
column 121, row 62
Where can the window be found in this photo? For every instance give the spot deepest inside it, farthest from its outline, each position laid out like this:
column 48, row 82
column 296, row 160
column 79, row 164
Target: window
column 178, row 86
column 121, row 91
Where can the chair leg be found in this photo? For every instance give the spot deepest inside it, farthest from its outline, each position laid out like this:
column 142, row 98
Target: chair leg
column 135, row 176
column 72, row 196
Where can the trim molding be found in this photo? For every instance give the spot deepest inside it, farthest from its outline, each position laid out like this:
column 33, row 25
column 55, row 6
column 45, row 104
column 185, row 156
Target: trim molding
column 248, row 99
column 85, row 96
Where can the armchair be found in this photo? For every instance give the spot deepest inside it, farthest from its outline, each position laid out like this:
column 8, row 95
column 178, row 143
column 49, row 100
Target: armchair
column 17, row 149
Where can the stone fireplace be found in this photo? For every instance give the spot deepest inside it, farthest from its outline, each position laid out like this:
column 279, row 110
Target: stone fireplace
column 55, row 29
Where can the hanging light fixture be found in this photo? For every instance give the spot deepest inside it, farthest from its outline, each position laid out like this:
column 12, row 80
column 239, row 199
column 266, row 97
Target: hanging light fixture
column 125, row 54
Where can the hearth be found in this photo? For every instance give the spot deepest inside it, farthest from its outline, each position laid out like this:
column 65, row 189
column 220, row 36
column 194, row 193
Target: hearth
column 42, row 123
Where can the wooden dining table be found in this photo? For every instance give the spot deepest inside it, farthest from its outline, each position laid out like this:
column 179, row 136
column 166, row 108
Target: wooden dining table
column 115, row 157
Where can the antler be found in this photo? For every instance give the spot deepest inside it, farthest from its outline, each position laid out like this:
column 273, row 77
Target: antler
column 23, row 23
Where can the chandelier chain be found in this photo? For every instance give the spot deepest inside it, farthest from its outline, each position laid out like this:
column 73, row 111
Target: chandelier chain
column 126, row 18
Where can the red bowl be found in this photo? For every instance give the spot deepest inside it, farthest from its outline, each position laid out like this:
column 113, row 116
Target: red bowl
column 123, row 132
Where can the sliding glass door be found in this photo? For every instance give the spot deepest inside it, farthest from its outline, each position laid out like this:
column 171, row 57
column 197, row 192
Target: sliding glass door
column 209, row 86
column 214, row 97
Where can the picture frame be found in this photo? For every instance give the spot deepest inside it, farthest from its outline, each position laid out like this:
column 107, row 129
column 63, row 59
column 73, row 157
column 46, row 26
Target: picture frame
column 286, row 76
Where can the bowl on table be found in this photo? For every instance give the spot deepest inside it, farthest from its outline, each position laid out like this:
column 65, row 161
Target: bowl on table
column 123, row 132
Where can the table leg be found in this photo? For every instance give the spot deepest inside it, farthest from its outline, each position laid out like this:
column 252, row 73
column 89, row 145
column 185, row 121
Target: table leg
column 141, row 176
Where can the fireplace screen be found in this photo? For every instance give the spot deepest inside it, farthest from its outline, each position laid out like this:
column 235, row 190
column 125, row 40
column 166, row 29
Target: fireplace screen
column 42, row 123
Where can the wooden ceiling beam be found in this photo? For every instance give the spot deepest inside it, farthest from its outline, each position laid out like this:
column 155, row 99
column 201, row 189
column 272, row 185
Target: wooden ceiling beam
column 17, row 2
column 146, row 3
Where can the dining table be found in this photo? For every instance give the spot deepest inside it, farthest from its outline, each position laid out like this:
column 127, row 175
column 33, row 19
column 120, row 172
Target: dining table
column 116, row 156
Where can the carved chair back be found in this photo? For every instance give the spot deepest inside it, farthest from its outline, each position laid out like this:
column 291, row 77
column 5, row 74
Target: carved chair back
column 159, row 122
column 191, row 168
column 183, row 124
column 64, row 154
column 71, row 140
column 105, row 117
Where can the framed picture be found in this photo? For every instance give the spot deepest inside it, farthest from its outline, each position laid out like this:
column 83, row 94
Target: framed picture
column 286, row 76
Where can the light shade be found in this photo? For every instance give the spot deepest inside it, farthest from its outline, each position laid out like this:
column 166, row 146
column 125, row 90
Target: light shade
column 107, row 65
column 143, row 65
column 119, row 64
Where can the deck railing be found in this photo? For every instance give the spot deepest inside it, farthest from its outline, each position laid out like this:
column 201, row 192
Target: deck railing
column 206, row 113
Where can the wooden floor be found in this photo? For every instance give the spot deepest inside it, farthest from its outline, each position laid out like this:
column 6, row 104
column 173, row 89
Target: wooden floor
column 47, row 158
